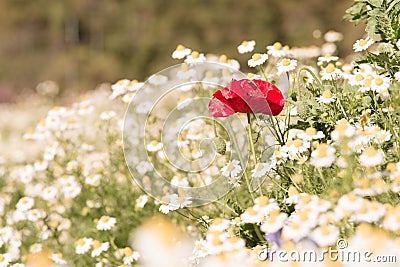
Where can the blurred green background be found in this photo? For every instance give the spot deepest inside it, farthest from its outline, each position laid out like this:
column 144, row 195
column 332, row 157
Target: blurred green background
column 81, row 43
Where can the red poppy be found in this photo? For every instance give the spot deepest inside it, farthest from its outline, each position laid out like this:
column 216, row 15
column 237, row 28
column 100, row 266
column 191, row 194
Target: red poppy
column 247, row 96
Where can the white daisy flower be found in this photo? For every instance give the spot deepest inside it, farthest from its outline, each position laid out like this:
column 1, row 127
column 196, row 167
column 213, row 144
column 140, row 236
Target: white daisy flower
column 397, row 76
column 398, row 44
column 185, row 73
column 219, row 225
column 130, row 256
column 380, row 83
column 35, row 215
column 330, row 72
column 332, row 36
column 391, row 220
column 371, row 157
column 295, row 231
column 327, row 97
column 158, row 79
column 325, row 235
column 83, row 245
column 144, row 167
column 195, row 57
column 58, row 258
column 154, row 146
column 232, row 169
column 106, row 223
column 323, row 156
column 257, row 59
column 144, row 107
column 260, row 170
column 134, row 86
column 181, row 52
column 25, row 203
column 328, row 49
column 251, row 216
column 362, row 44
column 179, row 180
column 107, row 115
column 119, row 88
column 5, row 259
column 311, row 134
column 246, row 47
column 36, row 248
column 327, row 59
column 99, row 247
column 93, row 179
column 274, row 222
column 343, row 129
column 127, row 98
column 277, row 50
column 286, row 65
column 141, row 201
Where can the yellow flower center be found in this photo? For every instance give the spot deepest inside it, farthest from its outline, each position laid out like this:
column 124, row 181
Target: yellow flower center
column 104, row 219
column 330, row 68
column 285, row 62
column 216, row 242
column 233, row 239
column 180, row 47
column 311, row 131
column 223, row 59
column 217, row 221
column 293, row 191
column 325, row 230
column 298, row 143
column 256, row 56
column 231, row 167
column 251, row 211
column 379, row 81
column 80, row 242
column 195, row 54
column 370, row 152
column 1, row 258
column 59, row 256
column 96, row 244
column 263, row 201
column 128, row 252
column 245, row 43
column 367, row 82
column 322, row 153
column 327, row 94
column 277, row 46
column 359, row 77
column 362, row 42
column 249, row 75
column 274, row 213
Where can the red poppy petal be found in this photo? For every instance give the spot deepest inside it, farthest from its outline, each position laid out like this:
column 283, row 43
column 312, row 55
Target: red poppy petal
column 219, row 107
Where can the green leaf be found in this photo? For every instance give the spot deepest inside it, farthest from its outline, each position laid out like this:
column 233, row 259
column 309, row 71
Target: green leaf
column 392, row 4
column 376, row 3
column 370, row 28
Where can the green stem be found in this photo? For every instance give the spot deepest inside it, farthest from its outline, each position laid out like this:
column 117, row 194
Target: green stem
column 249, row 133
column 235, row 144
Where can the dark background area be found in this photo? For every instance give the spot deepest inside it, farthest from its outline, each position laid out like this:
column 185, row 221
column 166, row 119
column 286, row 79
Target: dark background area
column 81, row 43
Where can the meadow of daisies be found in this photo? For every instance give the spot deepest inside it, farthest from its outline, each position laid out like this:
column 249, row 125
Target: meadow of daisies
column 308, row 163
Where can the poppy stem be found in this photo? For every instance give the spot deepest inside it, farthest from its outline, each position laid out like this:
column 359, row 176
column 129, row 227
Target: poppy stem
column 249, row 133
